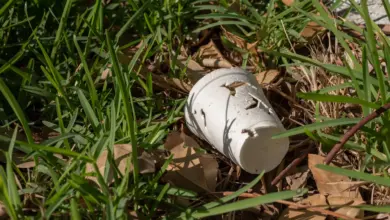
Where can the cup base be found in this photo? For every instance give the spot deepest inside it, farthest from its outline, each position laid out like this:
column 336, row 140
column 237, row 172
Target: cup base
column 262, row 153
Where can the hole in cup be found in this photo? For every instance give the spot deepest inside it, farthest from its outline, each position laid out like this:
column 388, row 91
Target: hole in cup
column 204, row 117
column 249, row 132
column 253, row 103
column 233, row 86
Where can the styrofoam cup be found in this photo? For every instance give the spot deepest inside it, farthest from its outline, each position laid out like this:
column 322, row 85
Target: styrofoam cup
column 228, row 109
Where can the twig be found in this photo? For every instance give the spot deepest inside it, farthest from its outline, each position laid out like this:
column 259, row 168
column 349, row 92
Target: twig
column 293, row 164
column 297, row 206
column 336, row 148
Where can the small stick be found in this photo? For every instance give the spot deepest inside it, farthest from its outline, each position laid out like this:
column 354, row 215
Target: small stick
column 293, row 164
column 336, row 148
column 297, row 206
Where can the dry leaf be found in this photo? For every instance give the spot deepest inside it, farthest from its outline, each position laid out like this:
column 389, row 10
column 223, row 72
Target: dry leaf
column 330, row 183
column 194, row 71
column 267, row 76
column 288, row 2
column 106, row 73
column 334, row 186
column 210, row 50
column 190, row 169
column 210, row 56
column 386, row 29
column 335, row 192
column 3, row 211
column 136, row 216
column 334, row 202
column 216, row 63
column 311, row 29
column 210, row 170
column 173, row 84
column 120, row 155
column 297, row 180
column 383, row 216
column 243, row 44
column 303, row 214
column 26, row 165
column 238, row 41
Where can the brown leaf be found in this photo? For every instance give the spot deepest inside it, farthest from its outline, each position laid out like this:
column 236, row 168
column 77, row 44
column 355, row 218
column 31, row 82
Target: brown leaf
column 238, row 41
column 134, row 215
column 336, row 203
column 173, row 140
column 210, row 169
column 209, row 50
column 330, row 183
column 20, row 161
column 288, row 2
column 243, row 44
column 311, row 29
column 3, row 211
column 386, row 29
column 267, row 76
column 174, row 84
column 120, row 156
column 190, row 168
column 194, row 71
column 216, row 63
column 297, row 180
column 210, row 56
column 303, row 214
column 106, row 73
column 26, row 165
column 334, row 186
column 383, row 216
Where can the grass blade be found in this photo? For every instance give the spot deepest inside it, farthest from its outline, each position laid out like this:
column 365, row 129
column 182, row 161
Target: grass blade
column 4, row 197
column 61, row 27
column 5, row 7
column 366, row 85
column 337, row 98
column 37, row 147
column 386, row 4
column 131, row 20
column 224, row 23
column 371, row 208
column 329, row 67
column 225, row 199
column 13, row 60
column 316, row 126
column 56, row 76
column 247, row 203
column 61, row 122
column 357, row 147
column 88, row 110
column 16, row 108
column 235, row 194
column 355, row 174
column 371, row 42
column 91, row 86
column 128, row 111
column 12, row 187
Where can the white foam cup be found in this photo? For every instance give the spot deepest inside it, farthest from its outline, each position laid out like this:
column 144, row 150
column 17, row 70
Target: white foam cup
column 228, row 109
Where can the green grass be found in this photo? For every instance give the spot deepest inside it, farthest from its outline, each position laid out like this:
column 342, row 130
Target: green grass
column 52, row 55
